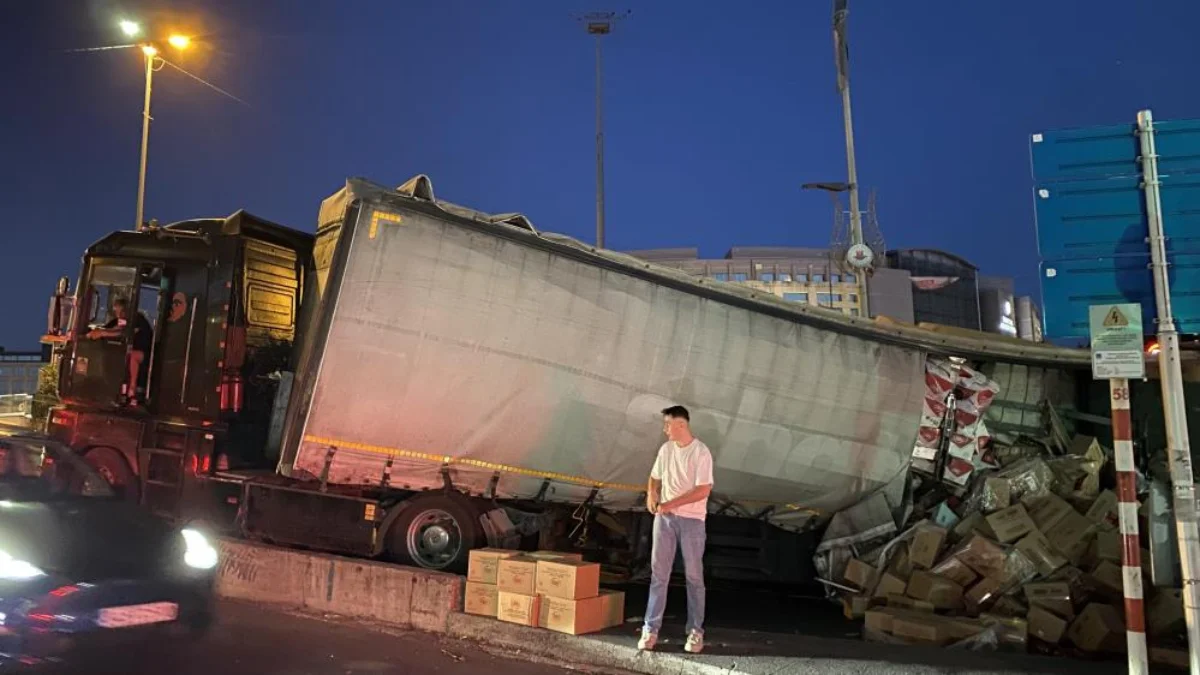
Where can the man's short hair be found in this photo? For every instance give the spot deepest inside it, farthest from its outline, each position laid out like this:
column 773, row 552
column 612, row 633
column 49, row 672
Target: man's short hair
column 678, row 412
column 120, row 302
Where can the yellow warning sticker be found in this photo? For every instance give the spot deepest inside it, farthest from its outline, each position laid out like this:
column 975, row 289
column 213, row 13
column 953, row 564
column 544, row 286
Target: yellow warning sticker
column 1115, row 319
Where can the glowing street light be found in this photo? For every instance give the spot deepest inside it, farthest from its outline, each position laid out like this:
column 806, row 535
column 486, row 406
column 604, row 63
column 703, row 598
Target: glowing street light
column 130, row 28
column 150, row 50
column 179, row 41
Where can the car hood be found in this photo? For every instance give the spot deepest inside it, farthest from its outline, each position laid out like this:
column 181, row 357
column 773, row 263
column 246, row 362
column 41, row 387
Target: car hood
column 88, row 539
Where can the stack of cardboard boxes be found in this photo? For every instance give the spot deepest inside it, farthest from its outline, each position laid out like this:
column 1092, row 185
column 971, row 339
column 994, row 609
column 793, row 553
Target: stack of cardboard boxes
column 1037, row 571
column 546, row 589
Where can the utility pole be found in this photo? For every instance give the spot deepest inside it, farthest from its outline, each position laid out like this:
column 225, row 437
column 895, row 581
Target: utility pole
column 842, row 54
column 600, row 24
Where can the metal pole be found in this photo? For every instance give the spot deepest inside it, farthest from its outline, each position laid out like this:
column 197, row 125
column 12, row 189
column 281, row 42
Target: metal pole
column 1127, row 510
column 141, row 197
column 1179, row 452
column 599, row 145
column 856, row 231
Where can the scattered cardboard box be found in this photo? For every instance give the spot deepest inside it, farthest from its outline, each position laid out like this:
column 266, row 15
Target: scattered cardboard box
column 1103, row 511
column 518, row 574
column 1110, row 581
column 573, row 617
column 1008, row 606
column 1052, row 595
column 879, row 620
column 1107, row 546
column 941, row 593
column 860, row 575
column 901, row 564
column 554, row 555
column 856, row 606
column 926, row 544
column 480, row 599
column 955, row 570
column 518, row 608
column 1164, row 612
column 1011, row 524
column 1037, row 548
column 1097, row 629
column 983, row 594
column 1046, row 625
column 920, row 630
column 1071, row 536
column 1047, row 511
column 982, row 555
column 999, row 493
column 1175, row 658
column 945, row 517
column 889, row 584
column 567, row 579
column 905, row 602
column 484, row 563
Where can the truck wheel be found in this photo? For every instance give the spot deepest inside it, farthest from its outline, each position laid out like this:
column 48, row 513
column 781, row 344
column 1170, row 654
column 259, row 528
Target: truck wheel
column 436, row 532
column 111, row 466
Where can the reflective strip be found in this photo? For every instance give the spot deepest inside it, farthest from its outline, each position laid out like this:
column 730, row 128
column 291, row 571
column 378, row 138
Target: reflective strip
column 1123, row 455
column 381, row 216
column 1137, row 652
column 1133, row 582
column 1127, row 515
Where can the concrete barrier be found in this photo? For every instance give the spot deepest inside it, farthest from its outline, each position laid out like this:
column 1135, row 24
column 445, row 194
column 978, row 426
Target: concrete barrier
column 402, row 596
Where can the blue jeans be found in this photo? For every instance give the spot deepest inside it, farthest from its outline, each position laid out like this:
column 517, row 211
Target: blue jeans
column 672, row 531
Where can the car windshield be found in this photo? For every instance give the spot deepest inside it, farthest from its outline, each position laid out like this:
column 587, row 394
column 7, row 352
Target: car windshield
column 34, row 469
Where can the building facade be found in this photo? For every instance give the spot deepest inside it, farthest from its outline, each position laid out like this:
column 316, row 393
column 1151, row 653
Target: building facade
column 802, row 275
column 19, row 380
column 945, row 287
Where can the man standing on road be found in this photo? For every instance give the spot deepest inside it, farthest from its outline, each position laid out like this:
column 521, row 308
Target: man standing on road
column 677, row 495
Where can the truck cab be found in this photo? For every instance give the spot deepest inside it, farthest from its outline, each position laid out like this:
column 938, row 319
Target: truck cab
column 221, row 297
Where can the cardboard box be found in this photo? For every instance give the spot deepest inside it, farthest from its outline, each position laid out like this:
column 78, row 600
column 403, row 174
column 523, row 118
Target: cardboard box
column 1038, row 550
column 518, row 574
column 1045, row 625
column 480, row 599
column 983, row 594
column 925, row 546
column 1008, row 606
column 554, row 555
column 889, row 584
column 518, row 608
column 568, row 579
column 483, row 564
column 1175, row 658
column 920, row 631
column 614, row 607
column 905, row 602
column 1103, row 511
column 955, row 570
column 1097, row 629
column 860, row 575
column 999, row 493
column 1011, row 524
column 856, row 606
column 961, row 628
column 1107, row 546
column 573, row 617
column 1164, row 612
column 1071, row 536
column 1047, row 511
column 1110, row 580
column 1052, row 595
column 879, row 620
column 945, row 517
column 900, row 565
column 983, row 556
column 942, row 593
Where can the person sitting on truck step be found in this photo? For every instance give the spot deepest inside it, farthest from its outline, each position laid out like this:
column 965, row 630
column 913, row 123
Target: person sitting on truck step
column 677, row 494
column 142, row 337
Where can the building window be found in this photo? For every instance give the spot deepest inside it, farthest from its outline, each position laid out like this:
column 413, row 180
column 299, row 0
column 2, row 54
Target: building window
column 767, row 277
column 828, row 298
column 721, row 276
column 739, row 276
column 854, row 311
column 849, row 278
column 854, row 298
column 818, row 278
column 835, row 279
column 801, row 298
column 801, row 278
column 785, row 278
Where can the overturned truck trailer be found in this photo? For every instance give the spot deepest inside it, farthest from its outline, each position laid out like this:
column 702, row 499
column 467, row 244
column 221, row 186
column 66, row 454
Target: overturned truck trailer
column 449, row 349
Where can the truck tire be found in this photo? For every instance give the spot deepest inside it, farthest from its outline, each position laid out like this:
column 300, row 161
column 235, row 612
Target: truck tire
column 111, row 466
column 435, row 532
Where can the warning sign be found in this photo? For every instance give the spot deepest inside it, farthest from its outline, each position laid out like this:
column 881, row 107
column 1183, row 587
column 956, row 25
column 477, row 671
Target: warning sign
column 1116, row 332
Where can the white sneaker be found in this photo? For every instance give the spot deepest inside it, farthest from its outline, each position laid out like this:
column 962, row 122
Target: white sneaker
column 647, row 641
column 695, row 643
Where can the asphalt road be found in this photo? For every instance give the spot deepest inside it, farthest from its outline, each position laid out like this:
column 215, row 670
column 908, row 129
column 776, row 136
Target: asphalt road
column 253, row 640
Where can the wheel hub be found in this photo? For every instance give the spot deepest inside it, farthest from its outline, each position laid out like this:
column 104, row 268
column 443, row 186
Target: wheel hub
column 434, row 539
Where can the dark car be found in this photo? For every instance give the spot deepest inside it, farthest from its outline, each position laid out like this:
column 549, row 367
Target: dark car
column 81, row 568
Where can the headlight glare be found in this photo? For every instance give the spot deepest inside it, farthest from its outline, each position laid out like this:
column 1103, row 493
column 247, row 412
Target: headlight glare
column 199, row 554
column 13, row 569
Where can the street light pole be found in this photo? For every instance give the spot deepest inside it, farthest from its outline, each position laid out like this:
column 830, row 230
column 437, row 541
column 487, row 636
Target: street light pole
column 600, row 24
column 842, row 54
column 150, row 53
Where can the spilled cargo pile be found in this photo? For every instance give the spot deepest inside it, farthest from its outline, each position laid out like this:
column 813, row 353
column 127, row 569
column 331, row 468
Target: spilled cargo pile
column 997, row 543
column 544, row 589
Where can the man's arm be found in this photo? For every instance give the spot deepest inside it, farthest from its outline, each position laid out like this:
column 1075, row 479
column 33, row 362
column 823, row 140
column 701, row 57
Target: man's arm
column 698, row 493
column 653, row 494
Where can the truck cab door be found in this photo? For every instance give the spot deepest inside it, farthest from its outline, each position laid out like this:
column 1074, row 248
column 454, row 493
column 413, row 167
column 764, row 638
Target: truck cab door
column 97, row 368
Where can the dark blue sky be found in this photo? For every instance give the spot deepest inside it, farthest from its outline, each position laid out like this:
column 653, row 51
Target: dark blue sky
column 714, row 116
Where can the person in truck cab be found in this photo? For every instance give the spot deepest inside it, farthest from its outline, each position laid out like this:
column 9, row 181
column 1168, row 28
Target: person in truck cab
column 139, row 348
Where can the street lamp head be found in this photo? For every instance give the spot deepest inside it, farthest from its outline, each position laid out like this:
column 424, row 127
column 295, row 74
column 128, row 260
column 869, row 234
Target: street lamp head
column 149, row 50
column 179, row 41
column 130, row 28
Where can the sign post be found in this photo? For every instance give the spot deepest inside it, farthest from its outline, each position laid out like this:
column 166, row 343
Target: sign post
column 1116, row 356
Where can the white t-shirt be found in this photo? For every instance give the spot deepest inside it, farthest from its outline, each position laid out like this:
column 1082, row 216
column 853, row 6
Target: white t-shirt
column 680, row 469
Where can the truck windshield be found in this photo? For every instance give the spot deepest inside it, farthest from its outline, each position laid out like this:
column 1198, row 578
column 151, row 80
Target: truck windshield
column 39, row 470
column 108, row 283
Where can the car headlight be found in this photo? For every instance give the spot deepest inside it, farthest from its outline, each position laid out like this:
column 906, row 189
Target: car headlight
column 199, row 554
column 13, row 569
